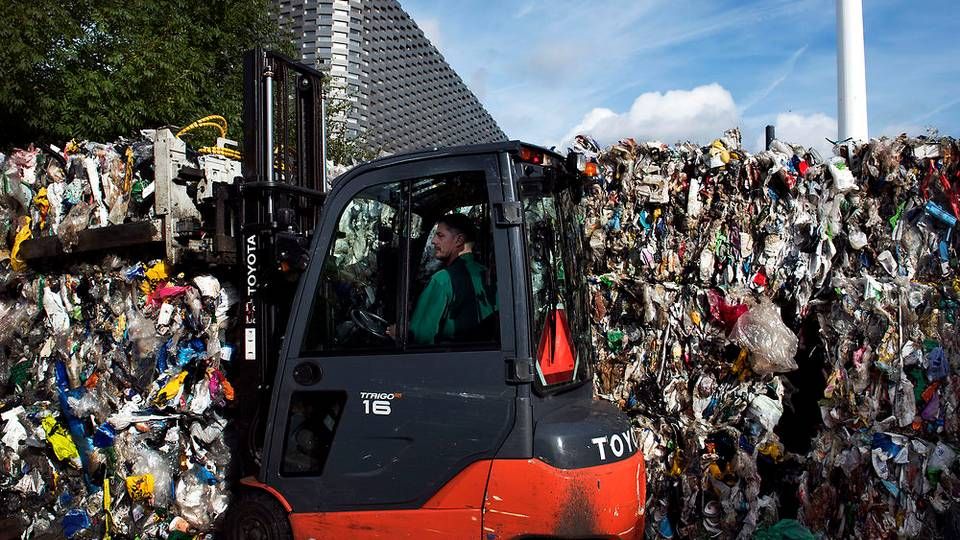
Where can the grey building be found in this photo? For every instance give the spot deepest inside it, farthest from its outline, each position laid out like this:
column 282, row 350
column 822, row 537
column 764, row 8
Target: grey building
column 405, row 94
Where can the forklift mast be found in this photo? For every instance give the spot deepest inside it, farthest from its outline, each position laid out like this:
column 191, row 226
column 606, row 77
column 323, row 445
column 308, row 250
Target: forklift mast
column 280, row 196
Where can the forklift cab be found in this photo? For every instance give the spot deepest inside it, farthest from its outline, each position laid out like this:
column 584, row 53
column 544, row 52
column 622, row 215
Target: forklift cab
column 491, row 433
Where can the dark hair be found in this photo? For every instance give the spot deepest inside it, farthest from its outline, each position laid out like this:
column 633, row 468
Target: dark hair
column 461, row 224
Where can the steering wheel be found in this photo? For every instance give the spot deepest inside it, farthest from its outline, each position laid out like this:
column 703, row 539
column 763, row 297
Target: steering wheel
column 370, row 322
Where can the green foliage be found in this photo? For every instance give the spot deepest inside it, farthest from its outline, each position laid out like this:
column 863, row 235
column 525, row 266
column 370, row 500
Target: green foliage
column 100, row 69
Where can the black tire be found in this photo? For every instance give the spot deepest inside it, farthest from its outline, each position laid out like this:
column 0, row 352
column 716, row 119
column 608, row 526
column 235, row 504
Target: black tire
column 256, row 516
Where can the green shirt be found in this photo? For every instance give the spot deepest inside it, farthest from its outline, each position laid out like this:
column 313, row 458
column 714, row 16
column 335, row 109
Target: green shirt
column 455, row 301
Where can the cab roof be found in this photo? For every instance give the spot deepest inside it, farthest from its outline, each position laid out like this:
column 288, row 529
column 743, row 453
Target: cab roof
column 444, row 152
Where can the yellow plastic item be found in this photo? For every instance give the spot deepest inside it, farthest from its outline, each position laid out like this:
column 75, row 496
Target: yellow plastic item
column 140, row 487
column 158, row 272
column 23, row 234
column 833, row 383
column 717, row 147
column 59, row 439
column 675, row 469
column 773, row 450
column 740, row 364
column 43, row 204
column 128, row 171
column 121, row 327
column 106, row 508
column 171, row 389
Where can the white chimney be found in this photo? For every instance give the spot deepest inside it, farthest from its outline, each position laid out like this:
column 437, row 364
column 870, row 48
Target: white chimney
column 851, row 72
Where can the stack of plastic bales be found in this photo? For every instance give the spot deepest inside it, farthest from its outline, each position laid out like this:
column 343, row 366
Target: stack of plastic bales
column 782, row 328
column 113, row 374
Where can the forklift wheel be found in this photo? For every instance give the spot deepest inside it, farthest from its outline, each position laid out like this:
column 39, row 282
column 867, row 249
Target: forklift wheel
column 256, row 516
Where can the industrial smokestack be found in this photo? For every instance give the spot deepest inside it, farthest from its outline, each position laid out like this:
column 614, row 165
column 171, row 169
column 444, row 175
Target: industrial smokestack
column 851, row 72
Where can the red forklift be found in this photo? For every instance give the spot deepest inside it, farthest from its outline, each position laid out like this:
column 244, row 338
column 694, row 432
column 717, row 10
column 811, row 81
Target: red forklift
column 356, row 429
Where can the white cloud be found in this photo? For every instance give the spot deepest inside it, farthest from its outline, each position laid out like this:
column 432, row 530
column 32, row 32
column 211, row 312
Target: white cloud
column 700, row 114
column 431, row 29
column 810, row 130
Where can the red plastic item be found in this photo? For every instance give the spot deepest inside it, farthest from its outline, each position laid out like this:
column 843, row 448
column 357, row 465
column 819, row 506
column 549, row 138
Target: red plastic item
column 952, row 194
column 760, row 279
column 162, row 293
column 722, row 312
column 555, row 354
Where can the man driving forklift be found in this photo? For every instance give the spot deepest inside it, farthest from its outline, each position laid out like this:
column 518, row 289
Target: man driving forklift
column 458, row 304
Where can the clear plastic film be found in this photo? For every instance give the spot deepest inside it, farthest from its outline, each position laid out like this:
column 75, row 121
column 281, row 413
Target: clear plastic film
column 76, row 221
column 16, row 317
column 142, row 332
column 772, row 345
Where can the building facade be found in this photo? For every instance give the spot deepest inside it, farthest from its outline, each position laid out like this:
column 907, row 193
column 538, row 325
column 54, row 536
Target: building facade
column 405, row 96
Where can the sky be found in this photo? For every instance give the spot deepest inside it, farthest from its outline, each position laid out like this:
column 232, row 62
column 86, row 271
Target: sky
column 675, row 70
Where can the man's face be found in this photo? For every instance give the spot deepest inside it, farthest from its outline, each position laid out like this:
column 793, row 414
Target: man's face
column 447, row 243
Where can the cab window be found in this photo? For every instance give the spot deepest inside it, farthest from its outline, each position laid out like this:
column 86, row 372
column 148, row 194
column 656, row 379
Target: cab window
column 357, row 292
column 559, row 321
column 412, row 268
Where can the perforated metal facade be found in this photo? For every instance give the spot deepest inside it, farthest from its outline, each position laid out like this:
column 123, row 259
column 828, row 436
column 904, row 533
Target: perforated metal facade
column 406, row 95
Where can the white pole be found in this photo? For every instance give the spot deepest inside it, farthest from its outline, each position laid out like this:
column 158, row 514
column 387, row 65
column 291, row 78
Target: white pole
column 851, row 72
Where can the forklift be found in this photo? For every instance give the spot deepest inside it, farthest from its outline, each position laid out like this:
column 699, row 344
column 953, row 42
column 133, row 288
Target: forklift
column 356, row 428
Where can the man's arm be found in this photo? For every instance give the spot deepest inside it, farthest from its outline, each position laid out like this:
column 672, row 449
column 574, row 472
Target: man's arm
column 431, row 307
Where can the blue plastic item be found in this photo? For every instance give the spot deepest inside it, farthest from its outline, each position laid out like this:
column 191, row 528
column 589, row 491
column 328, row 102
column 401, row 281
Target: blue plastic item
column 74, row 522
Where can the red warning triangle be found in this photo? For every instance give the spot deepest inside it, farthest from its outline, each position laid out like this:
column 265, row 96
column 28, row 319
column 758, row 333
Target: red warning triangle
column 555, row 354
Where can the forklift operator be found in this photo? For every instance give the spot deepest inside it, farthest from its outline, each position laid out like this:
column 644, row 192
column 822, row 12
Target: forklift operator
column 456, row 304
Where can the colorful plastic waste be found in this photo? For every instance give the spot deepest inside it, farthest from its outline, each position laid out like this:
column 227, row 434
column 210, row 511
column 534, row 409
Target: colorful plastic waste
column 114, row 373
column 782, row 328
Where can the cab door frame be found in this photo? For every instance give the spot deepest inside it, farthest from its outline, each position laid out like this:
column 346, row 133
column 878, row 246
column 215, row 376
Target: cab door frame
column 434, row 374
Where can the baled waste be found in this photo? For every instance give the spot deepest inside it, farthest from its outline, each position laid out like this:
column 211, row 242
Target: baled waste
column 115, row 372
column 782, row 327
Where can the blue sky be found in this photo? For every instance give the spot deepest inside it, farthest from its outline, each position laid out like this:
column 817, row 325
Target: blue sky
column 687, row 69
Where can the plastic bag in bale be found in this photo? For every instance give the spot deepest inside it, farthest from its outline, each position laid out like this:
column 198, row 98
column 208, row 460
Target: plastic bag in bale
column 772, row 344
column 77, row 220
column 16, row 317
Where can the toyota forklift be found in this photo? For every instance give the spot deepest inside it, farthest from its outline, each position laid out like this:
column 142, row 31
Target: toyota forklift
column 359, row 432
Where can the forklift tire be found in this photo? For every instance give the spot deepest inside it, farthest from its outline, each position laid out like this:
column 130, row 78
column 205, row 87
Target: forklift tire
column 256, row 516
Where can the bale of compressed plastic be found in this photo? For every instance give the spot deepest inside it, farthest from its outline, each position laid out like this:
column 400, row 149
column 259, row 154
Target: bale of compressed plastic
column 782, row 328
column 115, row 375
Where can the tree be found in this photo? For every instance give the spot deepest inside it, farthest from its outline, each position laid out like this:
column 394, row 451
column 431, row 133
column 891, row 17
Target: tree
column 100, row 69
